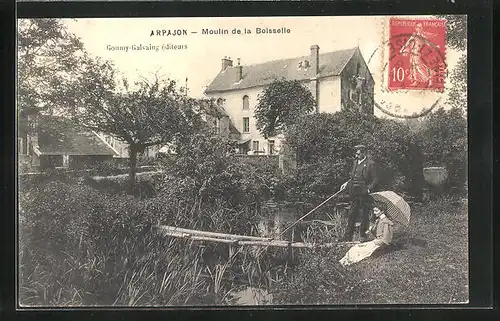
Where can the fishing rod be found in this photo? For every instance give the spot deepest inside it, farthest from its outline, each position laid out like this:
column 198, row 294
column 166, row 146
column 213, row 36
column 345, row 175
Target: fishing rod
column 301, row 218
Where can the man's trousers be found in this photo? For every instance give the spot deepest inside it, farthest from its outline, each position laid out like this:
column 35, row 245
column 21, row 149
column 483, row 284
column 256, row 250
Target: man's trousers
column 360, row 210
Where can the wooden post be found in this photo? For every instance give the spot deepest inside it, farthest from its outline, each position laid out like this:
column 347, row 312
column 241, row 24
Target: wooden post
column 289, row 250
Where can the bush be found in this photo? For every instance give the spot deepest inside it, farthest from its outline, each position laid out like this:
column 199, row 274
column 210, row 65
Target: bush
column 205, row 169
column 443, row 137
column 107, row 168
column 324, row 143
column 144, row 160
column 315, row 181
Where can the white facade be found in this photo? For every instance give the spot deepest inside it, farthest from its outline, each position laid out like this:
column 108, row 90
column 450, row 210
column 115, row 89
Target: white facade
column 329, row 101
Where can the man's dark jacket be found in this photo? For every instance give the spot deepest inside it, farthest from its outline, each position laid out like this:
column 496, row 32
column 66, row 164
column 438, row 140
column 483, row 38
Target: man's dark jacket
column 368, row 178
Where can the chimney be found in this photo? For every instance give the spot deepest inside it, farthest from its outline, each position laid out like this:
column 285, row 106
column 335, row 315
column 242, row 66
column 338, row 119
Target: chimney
column 226, row 62
column 314, row 59
column 239, row 71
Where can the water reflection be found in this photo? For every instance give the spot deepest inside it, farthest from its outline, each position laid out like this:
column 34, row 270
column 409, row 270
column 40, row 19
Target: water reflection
column 252, row 296
column 275, row 218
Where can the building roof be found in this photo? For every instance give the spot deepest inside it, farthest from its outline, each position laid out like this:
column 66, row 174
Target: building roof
column 330, row 64
column 57, row 136
column 214, row 110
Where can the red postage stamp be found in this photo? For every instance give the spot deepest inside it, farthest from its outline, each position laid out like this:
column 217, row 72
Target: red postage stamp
column 417, row 54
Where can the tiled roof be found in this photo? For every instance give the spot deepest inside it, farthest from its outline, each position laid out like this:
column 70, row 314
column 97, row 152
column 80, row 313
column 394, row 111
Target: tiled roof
column 57, row 136
column 330, row 64
column 214, row 110
column 232, row 129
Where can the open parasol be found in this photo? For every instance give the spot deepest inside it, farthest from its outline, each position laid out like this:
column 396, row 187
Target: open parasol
column 397, row 208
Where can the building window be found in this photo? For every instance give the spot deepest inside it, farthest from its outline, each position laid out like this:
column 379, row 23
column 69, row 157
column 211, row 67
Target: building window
column 246, row 104
column 271, row 147
column 255, row 145
column 246, row 124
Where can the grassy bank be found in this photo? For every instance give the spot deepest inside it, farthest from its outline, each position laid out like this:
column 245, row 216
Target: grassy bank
column 427, row 264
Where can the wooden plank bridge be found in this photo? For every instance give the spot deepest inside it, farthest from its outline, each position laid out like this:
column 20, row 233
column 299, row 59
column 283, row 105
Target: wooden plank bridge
column 236, row 240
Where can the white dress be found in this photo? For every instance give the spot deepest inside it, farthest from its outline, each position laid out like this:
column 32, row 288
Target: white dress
column 359, row 252
column 383, row 234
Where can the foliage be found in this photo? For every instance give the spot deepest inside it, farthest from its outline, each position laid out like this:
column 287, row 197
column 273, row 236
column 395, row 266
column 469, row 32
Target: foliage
column 148, row 114
column 106, row 168
column 204, row 168
column 458, row 78
column 456, row 38
column 280, row 104
column 144, row 160
column 80, row 247
column 444, row 142
column 324, row 142
column 48, row 64
column 456, row 33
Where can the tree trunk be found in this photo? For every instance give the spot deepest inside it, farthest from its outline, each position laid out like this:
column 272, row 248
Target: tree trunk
column 133, row 168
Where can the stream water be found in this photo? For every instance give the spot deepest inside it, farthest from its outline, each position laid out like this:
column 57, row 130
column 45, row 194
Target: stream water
column 252, row 296
column 275, row 219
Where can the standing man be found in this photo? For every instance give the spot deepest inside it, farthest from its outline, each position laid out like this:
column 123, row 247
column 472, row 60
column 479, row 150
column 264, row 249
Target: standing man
column 363, row 180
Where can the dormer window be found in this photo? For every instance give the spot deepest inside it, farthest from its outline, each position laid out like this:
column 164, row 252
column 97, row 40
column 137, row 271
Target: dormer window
column 246, row 103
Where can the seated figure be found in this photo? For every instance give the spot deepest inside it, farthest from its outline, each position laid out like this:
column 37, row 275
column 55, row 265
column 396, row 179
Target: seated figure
column 382, row 230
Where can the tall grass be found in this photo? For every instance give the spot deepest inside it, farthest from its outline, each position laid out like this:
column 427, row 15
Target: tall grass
column 78, row 248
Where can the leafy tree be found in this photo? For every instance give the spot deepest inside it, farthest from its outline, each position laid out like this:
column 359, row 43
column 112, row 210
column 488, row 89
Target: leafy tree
column 456, row 38
column 48, row 61
column 458, row 78
column 281, row 104
column 147, row 114
column 456, row 33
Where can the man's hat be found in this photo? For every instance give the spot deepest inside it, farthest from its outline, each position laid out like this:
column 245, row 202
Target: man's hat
column 360, row 146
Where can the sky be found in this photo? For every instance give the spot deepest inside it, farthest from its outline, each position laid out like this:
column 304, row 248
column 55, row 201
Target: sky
column 200, row 60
